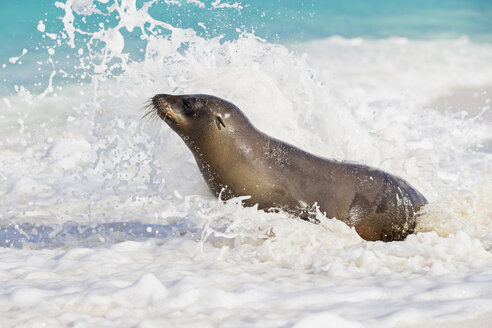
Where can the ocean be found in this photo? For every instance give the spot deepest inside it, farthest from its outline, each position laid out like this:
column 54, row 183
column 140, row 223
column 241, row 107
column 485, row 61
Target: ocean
column 105, row 219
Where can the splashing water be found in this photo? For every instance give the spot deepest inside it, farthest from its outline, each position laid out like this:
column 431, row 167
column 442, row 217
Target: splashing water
column 106, row 220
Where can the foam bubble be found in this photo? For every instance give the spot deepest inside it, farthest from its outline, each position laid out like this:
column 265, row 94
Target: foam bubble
column 41, row 26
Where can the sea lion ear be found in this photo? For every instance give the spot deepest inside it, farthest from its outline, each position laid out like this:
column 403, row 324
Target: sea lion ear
column 220, row 122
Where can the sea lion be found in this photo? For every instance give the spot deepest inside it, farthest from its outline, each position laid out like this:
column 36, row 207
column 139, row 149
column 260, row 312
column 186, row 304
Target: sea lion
column 236, row 159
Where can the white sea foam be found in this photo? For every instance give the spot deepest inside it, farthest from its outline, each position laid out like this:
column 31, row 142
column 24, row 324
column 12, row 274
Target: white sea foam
column 107, row 221
column 14, row 60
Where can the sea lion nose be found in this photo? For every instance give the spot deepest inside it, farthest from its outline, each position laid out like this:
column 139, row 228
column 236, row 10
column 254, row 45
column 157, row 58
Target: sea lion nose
column 163, row 98
column 160, row 99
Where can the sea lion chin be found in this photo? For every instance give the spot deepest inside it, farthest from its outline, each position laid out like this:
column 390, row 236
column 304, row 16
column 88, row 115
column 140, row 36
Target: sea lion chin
column 236, row 159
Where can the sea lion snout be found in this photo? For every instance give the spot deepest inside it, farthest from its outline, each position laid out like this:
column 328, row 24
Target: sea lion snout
column 187, row 112
column 161, row 102
column 162, row 106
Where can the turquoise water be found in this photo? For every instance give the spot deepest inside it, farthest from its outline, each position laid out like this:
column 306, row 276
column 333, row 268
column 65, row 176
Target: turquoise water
column 286, row 20
column 281, row 21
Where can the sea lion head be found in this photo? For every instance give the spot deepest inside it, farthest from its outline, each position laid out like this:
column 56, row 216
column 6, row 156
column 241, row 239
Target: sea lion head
column 198, row 116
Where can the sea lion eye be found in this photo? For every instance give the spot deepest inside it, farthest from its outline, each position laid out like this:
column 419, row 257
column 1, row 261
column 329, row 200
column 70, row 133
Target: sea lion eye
column 187, row 107
column 220, row 122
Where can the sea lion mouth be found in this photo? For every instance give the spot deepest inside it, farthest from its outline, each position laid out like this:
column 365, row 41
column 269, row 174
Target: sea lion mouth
column 158, row 107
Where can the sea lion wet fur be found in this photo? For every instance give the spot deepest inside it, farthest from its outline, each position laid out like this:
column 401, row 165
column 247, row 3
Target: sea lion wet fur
column 236, row 159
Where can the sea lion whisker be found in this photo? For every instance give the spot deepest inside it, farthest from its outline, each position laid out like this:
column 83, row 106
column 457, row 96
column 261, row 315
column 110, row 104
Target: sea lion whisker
column 150, row 112
column 149, row 108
